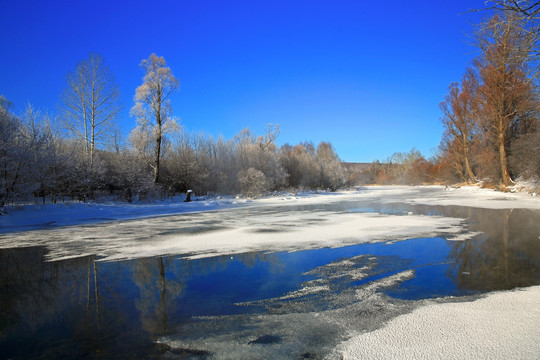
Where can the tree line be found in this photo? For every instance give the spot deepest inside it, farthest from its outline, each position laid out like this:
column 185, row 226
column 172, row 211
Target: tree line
column 491, row 117
column 79, row 153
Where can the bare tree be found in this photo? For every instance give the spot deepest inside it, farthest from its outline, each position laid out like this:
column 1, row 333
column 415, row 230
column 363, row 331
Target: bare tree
column 90, row 103
column 13, row 153
column 459, row 111
column 506, row 92
column 528, row 13
column 529, row 8
column 152, row 106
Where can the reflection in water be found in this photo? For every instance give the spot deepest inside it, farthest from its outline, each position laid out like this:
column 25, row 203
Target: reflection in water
column 157, row 294
column 505, row 256
column 83, row 308
column 80, row 307
column 36, row 295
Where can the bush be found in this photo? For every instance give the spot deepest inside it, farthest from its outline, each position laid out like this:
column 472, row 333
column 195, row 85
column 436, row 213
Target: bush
column 252, row 182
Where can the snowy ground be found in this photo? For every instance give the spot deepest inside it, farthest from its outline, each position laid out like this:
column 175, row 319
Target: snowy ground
column 501, row 325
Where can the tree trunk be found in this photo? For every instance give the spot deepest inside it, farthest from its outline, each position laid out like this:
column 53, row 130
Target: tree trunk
column 92, row 147
column 158, row 155
column 158, row 136
column 163, row 304
column 470, row 173
column 468, row 169
column 504, row 162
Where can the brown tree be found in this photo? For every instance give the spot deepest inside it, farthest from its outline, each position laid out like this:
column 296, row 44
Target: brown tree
column 459, row 111
column 506, row 93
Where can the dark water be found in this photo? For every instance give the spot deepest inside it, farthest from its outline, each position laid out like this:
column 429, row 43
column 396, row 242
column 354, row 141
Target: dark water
column 83, row 308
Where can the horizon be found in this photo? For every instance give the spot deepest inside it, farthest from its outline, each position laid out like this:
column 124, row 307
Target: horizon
column 366, row 77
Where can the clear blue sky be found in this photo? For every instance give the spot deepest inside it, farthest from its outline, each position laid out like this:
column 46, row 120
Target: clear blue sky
column 365, row 75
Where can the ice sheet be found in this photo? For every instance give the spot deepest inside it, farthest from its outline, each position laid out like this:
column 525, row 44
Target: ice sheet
column 275, row 223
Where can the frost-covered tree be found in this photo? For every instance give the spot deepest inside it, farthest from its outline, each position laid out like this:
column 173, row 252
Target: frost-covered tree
column 152, row 106
column 190, row 163
column 301, row 166
column 41, row 140
column 260, row 153
column 252, row 182
column 90, row 104
column 333, row 174
column 13, row 153
column 224, row 166
column 312, row 168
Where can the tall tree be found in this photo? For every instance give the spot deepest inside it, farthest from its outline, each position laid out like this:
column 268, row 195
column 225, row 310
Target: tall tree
column 90, row 103
column 459, row 111
column 152, row 106
column 507, row 96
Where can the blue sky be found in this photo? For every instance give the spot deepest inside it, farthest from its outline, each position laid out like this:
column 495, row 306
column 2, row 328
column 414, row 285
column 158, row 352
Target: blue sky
column 367, row 76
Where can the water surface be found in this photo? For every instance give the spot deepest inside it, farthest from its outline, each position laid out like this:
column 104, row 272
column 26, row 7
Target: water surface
column 292, row 304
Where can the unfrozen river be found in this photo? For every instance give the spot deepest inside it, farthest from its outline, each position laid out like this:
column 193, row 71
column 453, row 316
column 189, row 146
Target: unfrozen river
column 291, row 279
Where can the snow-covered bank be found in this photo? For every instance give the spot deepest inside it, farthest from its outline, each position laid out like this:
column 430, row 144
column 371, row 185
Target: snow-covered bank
column 471, row 196
column 475, row 196
column 503, row 325
column 30, row 217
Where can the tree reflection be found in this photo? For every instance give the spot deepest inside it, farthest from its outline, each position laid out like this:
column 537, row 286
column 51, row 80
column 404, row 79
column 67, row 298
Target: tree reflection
column 36, row 294
column 157, row 293
column 82, row 307
column 505, row 256
column 161, row 283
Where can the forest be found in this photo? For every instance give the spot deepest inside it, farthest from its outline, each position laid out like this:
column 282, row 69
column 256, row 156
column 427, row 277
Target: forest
column 39, row 161
column 490, row 117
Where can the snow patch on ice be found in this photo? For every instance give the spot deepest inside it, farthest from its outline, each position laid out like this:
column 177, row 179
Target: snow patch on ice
column 308, row 290
column 387, row 282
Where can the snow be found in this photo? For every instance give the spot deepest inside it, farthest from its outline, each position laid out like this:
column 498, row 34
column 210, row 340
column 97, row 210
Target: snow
column 279, row 223
column 481, row 198
column 503, row 325
column 228, row 232
column 29, row 217
column 389, row 281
